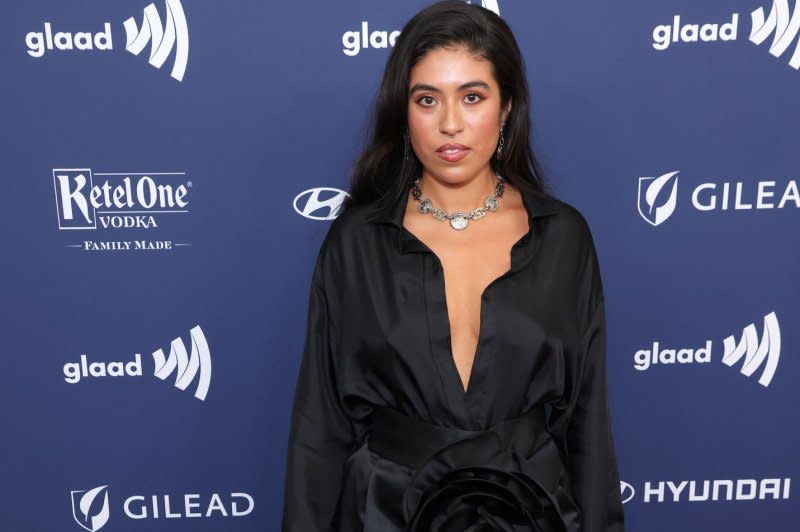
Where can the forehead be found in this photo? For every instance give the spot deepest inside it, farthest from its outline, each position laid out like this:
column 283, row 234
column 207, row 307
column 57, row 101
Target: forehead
column 451, row 66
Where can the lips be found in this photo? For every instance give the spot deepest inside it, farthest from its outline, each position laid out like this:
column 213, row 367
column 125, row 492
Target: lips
column 452, row 152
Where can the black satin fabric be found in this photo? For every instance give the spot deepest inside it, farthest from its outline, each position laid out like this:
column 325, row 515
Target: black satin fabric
column 378, row 337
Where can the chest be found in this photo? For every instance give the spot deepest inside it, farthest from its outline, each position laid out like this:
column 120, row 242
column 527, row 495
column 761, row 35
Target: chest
column 470, row 263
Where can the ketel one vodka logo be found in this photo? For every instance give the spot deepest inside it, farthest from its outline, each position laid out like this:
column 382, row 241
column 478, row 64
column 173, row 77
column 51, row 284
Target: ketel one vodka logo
column 119, row 203
column 184, row 367
column 757, row 354
column 163, row 38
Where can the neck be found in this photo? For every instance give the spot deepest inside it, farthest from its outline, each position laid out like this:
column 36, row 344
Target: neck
column 461, row 196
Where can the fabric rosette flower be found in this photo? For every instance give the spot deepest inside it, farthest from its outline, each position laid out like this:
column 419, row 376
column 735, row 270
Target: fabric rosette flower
column 477, row 485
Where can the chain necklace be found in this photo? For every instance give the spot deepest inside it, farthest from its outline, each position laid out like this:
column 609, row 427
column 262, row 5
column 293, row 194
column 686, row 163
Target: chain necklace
column 459, row 219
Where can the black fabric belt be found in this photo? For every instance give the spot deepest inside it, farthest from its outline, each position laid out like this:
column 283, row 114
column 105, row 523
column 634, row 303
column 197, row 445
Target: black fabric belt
column 410, row 442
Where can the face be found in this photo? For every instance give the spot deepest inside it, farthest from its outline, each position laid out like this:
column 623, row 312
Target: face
column 454, row 114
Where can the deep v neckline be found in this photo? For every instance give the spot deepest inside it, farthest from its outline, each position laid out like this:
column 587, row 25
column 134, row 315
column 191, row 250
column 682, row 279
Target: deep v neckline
column 465, row 391
column 481, row 321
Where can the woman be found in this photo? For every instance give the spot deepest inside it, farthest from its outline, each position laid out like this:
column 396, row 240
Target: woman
column 453, row 376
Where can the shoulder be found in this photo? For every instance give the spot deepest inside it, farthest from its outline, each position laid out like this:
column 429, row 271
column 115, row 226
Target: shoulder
column 566, row 221
column 350, row 225
column 345, row 238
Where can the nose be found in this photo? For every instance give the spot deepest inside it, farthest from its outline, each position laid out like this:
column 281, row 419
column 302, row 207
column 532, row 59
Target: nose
column 451, row 121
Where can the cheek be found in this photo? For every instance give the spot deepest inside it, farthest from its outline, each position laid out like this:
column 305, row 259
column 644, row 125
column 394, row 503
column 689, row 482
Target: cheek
column 419, row 126
column 486, row 125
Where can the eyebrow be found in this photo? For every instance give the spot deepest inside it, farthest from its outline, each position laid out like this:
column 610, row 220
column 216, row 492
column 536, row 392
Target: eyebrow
column 431, row 88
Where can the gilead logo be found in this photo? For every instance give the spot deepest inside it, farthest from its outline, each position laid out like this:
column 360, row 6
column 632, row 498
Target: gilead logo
column 86, row 511
column 658, row 197
column 91, row 509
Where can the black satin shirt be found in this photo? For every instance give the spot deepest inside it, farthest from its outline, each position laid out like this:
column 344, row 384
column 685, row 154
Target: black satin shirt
column 378, row 335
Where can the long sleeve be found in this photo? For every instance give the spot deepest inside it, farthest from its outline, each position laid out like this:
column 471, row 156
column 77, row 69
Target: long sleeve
column 592, row 459
column 320, row 435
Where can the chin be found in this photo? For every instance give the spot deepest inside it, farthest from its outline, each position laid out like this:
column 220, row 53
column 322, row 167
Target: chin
column 453, row 173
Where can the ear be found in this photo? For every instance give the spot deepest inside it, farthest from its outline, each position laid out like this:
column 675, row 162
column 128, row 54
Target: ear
column 506, row 112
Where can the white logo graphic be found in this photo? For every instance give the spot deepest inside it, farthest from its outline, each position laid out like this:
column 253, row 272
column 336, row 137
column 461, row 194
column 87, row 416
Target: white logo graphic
column 187, row 368
column 491, row 5
column 355, row 41
column 162, row 39
column 120, row 200
column 743, row 489
column 138, row 507
column 39, row 42
column 782, row 24
column 664, row 35
column 627, row 491
column 658, row 196
column 644, row 358
column 308, row 202
column 755, row 353
column 654, row 206
column 82, row 507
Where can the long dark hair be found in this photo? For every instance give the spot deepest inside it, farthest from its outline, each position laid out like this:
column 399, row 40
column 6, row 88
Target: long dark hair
column 382, row 173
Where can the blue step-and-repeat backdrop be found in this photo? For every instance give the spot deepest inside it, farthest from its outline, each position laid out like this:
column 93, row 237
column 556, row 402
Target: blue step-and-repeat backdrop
column 169, row 170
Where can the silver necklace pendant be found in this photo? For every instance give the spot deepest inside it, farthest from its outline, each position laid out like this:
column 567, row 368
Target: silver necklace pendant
column 459, row 220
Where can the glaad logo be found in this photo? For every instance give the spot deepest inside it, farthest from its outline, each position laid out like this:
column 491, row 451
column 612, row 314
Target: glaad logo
column 766, row 353
column 785, row 26
column 658, row 196
column 744, row 489
column 162, row 38
column 186, row 368
column 309, row 202
column 82, row 508
column 123, row 200
column 198, row 362
column 654, row 206
column 664, row 35
column 755, row 353
column 355, row 41
column 236, row 504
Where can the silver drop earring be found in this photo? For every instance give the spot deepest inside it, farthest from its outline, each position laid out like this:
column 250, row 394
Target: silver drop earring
column 502, row 142
column 405, row 146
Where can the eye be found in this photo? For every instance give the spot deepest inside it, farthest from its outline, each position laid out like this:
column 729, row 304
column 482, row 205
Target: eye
column 473, row 97
column 426, row 101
